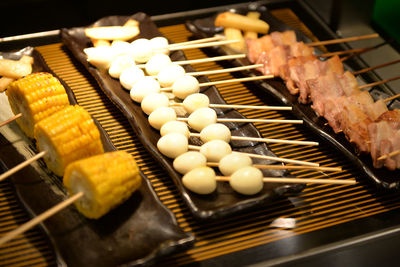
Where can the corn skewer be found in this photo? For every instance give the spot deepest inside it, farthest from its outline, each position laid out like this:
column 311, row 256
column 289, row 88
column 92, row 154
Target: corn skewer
column 103, row 182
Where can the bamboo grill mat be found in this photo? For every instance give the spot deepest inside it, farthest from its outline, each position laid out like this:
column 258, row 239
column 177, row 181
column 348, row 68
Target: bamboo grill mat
column 317, row 207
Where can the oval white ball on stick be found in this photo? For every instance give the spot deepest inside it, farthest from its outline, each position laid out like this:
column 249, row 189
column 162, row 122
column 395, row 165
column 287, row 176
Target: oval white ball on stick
column 200, row 180
column 153, row 101
column 160, row 116
column 189, row 161
column 247, row 180
column 156, row 63
column 143, row 87
column 201, row 118
column 184, row 86
column 215, row 131
column 215, row 150
column 119, row 64
column 175, row 127
column 172, row 145
column 141, row 50
column 233, row 162
column 169, row 74
column 101, row 56
column 159, row 45
column 130, row 76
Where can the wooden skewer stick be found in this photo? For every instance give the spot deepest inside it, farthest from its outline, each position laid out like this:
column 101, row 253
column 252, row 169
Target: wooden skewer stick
column 10, row 119
column 198, row 41
column 21, row 165
column 38, row 219
column 299, row 162
column 203, row 60
column 287, row 167
column 250, row 120
column 245, row 79
column 376, row 67
column 296, row 180
column 378, row 82
column 267, row 140
column 241, row 106
column 364, row 50
column 201, row 45
column 343, row 40
column 344, row 52
column 391, row 98
column 211, row 72
column 391, row 154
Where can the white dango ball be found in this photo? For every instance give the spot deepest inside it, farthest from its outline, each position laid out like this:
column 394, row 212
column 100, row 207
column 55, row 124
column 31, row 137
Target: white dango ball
column 141, row 50
column 215, row 131
column 119, row 64
column 195, row 101
column 156, row 63
column 130, row 76
column 173, row 144
column 144, row 87
column 200, row 180
column 159, row 44
column 201, row 118
column 233, row 162
column 160, row 116
column 153, row 101
column 121, row 47
column 175, row 127
column 185, row 86
column 215, row 150
column 247, row 181
column 169, row 74
column 189, row 161
column 101, row 56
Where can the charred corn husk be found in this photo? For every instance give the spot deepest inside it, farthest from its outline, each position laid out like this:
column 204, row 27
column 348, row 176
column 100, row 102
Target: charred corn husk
column 67, row 135
column 36, row 96
column 106, row 180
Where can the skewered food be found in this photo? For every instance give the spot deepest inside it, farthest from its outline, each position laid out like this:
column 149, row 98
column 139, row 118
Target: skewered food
column 36, row 96
column 200, row 180
column 67, row 135
column 247, row 180
column 233, row 20
column 160, row 116
column 144, row 87
column 106, row 180
column 175, row 127
column 215, row 131
column 189, row 161
column 130, row 76
column 215, row 150
column 172, row 145
column 233, row 162
column 153, row 101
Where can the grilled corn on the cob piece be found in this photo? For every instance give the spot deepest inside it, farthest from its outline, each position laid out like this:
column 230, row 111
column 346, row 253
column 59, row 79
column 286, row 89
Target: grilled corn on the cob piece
column 67, row 135
column 36, row 96
column 106, row 180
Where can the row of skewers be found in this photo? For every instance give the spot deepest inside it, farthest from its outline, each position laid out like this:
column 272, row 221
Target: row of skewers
column 191, row 100
column 334, row 93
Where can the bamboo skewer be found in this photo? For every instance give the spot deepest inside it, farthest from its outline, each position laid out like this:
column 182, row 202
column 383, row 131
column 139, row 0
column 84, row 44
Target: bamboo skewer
column 40, row 218
column 391, row 98
column 250, row 120
column 198, row 41
column 378, row 82
column 211, row 72
column 245, row 79
column 296, row 180
column 343, row 40
column 391, row 154
column 267, row 140
column 203, row 60
column 201, row 45
column 299, row 162
column 10, row 119
column 287, row 167
column 241, row 106
column 376, row 67
column 21, row 165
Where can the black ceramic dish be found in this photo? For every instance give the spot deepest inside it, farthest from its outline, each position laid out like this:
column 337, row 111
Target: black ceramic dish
column 224, row 201
column 138, row 232
column 382, row 178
